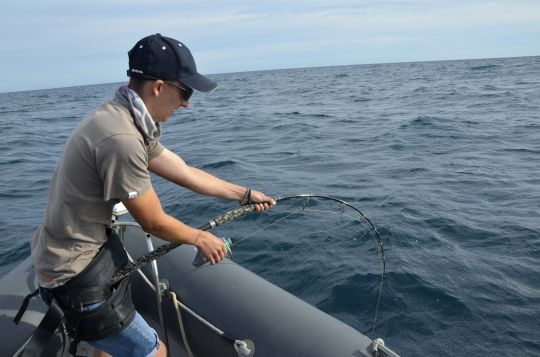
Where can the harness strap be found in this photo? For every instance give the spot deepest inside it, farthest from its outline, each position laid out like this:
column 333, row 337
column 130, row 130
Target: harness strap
column 75, row 297
column 76, row 339
column 43, row 333
column 24, row 306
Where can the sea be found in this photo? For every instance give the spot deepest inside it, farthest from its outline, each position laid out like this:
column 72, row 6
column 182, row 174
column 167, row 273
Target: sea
column 443, row 157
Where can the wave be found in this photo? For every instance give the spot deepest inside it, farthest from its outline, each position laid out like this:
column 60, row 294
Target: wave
column 421, row 89
column 361, row 99
column 483, row 67
column 403, row 291
column 12, row 254
column 422, row 121
column 311, row 115
column 522, row 150
column 219, row 164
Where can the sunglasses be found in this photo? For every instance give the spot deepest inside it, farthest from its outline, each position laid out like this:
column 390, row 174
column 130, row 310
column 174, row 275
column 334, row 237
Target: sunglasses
column 185, row 93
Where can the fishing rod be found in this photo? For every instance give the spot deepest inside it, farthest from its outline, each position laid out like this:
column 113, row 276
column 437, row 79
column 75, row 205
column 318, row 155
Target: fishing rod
column 231, row 216
column 164, row 249
column 245, row 210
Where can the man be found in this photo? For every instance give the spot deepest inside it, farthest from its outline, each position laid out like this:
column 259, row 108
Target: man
column 107, row 160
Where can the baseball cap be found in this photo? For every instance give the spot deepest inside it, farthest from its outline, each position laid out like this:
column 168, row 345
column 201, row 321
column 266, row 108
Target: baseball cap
column 160, row 57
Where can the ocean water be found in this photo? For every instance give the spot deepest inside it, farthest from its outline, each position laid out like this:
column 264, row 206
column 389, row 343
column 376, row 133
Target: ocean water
column 443, row 157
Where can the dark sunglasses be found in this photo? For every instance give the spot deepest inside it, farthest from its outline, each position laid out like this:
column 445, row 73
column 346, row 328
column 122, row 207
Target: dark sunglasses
column 184, row 92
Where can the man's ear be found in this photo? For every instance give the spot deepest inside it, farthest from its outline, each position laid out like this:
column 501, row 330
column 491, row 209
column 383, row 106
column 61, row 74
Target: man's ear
column 157, row 87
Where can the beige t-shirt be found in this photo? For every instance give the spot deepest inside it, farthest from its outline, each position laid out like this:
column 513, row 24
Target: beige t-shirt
column 104, row 161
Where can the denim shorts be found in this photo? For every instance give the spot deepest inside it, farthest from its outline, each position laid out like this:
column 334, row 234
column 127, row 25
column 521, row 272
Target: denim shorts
column 136, row 340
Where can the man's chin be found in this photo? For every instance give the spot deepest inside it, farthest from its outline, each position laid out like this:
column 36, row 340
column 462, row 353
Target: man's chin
column 162, row 120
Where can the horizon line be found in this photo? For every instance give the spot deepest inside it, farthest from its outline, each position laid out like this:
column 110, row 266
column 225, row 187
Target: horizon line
column 284, row 69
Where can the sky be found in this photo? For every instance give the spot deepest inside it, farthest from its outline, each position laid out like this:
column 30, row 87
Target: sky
column 61, row 43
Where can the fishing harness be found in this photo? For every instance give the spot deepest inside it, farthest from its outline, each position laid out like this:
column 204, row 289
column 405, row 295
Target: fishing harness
column 89, row 287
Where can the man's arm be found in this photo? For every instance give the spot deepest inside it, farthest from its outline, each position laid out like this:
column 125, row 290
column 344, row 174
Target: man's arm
column 147, row 211
column 172, row 168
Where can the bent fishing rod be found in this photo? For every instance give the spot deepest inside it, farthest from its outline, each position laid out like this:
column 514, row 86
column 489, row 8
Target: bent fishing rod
column 231, row 216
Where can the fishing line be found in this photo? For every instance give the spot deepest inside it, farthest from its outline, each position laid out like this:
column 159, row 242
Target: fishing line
column 303, row 206
column 265, row 227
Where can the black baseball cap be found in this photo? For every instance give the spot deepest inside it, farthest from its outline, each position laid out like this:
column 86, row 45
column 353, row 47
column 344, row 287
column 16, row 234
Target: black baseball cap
column 160, row 57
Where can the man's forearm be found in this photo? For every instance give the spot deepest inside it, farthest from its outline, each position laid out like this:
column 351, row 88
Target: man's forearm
column 171, row 167
column 147, row 211
column 170, row 229
column 210, row 185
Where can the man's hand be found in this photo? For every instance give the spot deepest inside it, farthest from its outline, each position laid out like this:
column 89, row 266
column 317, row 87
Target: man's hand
column 262, row 201
column 211, row 247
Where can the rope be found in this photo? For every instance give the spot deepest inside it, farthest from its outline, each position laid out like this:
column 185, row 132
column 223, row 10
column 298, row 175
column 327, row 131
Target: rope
column 177, row 305
column 180, row 323
column 187, row 309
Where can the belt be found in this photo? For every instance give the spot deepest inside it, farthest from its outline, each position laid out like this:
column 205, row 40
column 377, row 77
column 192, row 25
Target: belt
column 77, row 297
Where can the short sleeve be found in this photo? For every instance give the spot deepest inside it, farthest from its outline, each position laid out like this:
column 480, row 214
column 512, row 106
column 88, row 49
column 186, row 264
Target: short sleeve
column 154, row 149
column 122, row 164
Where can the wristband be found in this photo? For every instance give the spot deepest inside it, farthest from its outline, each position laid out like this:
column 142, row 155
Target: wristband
column 247, row 198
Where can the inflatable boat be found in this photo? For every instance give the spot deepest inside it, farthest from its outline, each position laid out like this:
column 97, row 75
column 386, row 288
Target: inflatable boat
column 216, row 311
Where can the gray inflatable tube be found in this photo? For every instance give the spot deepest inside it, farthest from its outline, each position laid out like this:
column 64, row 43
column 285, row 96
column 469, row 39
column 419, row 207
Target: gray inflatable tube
column 226, row 295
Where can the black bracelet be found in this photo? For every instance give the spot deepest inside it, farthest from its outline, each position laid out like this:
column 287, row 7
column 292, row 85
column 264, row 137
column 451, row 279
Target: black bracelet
column 246, row 200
